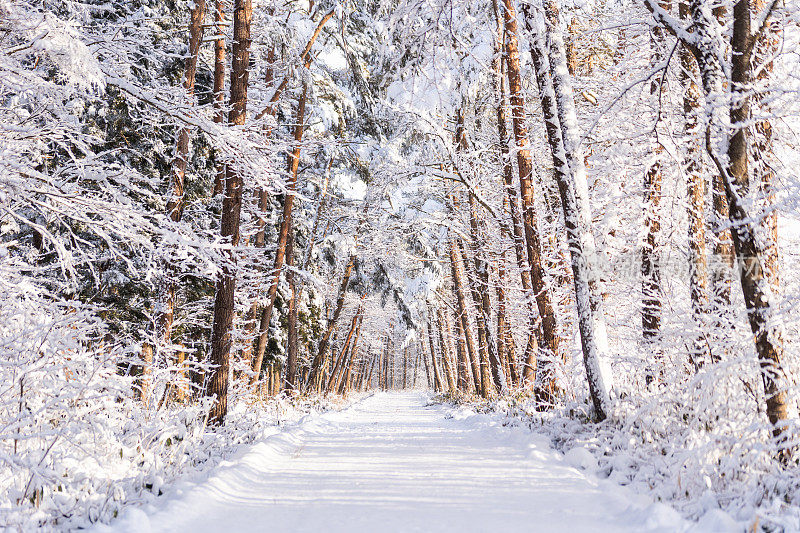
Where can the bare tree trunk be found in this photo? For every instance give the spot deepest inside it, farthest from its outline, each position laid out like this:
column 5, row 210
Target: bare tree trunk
column 283, row 235
column 231, row 210
column 560, row 122
column 219, row 83
column 651, row 270
column 541, row 291
column 177, row 199
column 696, row 193
column 456, row 269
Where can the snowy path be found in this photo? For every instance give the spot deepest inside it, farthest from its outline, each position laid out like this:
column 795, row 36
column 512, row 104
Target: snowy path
column 389, row 463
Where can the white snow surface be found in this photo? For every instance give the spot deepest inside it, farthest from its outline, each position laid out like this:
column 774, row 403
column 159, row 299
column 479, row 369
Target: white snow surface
column 393, row 462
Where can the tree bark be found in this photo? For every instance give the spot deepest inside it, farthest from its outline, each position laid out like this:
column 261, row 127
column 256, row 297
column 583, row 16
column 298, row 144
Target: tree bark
column 541, row 291
column 224, row 299
column 290, row 375
column 570, row 173
column 283, row 235
column 457, row 273
column 696, row 194
column 219, row 83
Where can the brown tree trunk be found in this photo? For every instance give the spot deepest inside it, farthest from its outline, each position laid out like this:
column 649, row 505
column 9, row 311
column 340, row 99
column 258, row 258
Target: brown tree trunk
column 219, row 83
column 283, row 235
column 518, row 238
column 457, row 274
column 754, row 280
column 541, row 291
column 231, row 211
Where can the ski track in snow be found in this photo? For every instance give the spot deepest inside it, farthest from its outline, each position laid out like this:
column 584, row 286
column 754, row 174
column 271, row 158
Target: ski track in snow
column 392, row 463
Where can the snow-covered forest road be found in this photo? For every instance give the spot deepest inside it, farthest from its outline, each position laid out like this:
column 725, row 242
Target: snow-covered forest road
column 392, row 463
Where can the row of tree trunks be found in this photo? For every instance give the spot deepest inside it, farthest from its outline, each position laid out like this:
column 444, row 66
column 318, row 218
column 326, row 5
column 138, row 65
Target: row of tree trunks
column 286, row 222
column 165, row 314
column 734, row 173
column 224, row 300
column 341, row 361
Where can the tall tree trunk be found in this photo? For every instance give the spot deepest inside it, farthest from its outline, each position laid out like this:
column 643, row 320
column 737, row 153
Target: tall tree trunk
column 224, row 299
column 518, row 236
column 177, row 199
column 560, row 122
column 651, row 269
column 696, row 194
column 219, row 83
column 541, row 291
column 283, row 235
column 765, row 50
column 750, row 252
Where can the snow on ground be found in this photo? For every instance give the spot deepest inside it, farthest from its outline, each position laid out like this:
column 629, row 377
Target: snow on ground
column 392, row 462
